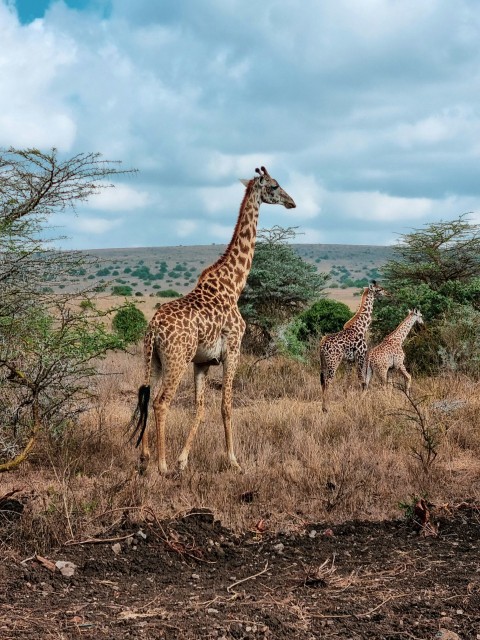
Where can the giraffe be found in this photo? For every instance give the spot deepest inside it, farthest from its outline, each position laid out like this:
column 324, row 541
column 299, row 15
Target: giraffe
column 204, row 327
column 389, row 353
column 350, row 342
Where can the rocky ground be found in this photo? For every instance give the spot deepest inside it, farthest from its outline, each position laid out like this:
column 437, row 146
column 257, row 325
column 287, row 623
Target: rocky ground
column 191, row 578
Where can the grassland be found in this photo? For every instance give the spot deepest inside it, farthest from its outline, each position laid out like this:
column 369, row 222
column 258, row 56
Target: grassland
column 361, row 460
column 148, row 271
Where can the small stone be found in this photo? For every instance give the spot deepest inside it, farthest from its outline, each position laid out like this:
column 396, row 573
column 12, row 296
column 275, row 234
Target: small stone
column 117, row 548
column 312, row 533
column 212, row 611
column 195, row 576
column 141, row 534
column 279, row 547
column 445, row 634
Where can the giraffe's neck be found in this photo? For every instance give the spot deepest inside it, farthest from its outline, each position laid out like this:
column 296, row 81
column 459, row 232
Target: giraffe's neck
column 231, row 270
column 403, row 329
column 363, row 317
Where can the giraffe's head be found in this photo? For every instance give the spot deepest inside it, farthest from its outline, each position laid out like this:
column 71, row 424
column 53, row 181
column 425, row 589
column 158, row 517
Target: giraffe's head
column 377, row 290
column 270, row 191
column 416, row 315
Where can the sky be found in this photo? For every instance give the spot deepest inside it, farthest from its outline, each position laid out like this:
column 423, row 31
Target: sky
column 366, row 111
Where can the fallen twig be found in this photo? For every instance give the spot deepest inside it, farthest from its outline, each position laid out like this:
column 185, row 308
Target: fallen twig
column 235, row 584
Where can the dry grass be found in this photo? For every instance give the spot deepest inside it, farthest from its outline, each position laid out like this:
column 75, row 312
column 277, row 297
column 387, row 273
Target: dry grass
column 358, row 461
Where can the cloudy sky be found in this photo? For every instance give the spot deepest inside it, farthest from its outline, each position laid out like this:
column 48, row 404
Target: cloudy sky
column 366, row 111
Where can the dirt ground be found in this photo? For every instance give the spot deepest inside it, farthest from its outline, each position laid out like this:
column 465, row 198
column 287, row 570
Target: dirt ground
column 191, row 578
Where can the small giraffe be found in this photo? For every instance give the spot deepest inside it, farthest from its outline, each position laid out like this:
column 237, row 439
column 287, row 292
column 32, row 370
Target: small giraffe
column 389, row 353
column 204, row 327
column 350, row 343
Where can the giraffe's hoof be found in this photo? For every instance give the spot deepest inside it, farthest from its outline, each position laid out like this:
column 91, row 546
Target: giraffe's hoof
column 236, row 467
column 142, row 466
column 174, row 474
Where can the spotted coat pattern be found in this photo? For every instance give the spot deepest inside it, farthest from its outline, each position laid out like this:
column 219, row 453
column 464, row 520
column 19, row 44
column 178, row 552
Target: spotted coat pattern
column 350, row 343
column 205, row 327
column 389, row 354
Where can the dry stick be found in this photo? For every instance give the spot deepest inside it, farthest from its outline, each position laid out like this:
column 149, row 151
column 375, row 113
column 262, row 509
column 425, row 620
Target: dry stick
column 72, row 543
column 248, row 578
column 360, row 615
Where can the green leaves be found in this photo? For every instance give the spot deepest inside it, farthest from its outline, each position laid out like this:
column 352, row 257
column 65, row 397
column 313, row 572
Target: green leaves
column 280, row 283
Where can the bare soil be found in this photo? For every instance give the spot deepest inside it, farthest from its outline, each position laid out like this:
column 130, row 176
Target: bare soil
column 189, row 577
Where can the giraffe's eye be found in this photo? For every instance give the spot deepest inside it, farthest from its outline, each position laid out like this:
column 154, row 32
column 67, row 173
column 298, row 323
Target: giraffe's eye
column 274, row 187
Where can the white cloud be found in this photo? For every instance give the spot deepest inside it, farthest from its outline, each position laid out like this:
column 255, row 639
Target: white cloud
column 185, row 228
column 307, row 194
column 239, row 166
column 381, row 206
column 94, row 226
column 217, row 200
column 121, row 197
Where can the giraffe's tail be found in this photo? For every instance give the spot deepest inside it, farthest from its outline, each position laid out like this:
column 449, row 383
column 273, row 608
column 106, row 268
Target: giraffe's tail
column 138, row 422
column 140, row 415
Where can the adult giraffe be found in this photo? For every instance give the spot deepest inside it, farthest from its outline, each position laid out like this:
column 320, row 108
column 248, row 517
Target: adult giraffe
column 204, row 327
column 389, row 354
column 349, row 343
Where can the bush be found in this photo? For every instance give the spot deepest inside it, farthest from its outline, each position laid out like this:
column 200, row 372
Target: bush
column 129, row 323
column 121, row 290
column 168, row 293
column 324, row 316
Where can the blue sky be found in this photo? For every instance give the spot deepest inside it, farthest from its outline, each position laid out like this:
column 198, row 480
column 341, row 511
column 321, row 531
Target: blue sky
column 366, row 111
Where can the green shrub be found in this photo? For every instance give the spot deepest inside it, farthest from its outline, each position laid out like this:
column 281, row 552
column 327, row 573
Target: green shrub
column 168, row 293
column 129, row 323
column 324, row 316
column 122, row 290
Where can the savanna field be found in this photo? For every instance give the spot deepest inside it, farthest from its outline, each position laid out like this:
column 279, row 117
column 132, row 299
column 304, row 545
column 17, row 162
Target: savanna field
column 359, row 523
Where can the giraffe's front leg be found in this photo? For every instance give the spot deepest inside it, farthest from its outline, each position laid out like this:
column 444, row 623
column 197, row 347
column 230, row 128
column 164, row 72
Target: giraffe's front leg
column 361, row 364
column 229, row 368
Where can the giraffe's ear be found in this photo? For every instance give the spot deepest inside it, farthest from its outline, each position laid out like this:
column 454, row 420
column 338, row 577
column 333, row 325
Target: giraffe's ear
column 244, row 181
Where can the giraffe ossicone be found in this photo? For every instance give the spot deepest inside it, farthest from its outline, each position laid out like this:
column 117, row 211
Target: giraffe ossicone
column 389, row 354
column 349, row 343
column 204, row 327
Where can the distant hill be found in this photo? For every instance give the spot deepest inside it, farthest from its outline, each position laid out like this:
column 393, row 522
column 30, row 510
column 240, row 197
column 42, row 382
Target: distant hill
column 146, row 271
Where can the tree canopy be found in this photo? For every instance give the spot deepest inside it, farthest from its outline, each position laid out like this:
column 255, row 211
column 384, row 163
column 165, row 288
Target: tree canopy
column 280, row 283
column 48, row 342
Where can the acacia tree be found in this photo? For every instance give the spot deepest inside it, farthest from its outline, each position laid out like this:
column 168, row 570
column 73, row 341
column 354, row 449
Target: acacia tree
column 48, row 342
column 440, row 253
column 280, row 285
column 437, row 269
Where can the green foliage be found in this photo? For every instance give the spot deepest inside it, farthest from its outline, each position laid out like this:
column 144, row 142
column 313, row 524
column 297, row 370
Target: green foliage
column 324, row 316
column 103, row 272
column 439, row 253
column 168, row 293
column 280, row 283
column 459, row 341
column 122, row 290
column 129, row 323
column 436, row 269
column 48, row 344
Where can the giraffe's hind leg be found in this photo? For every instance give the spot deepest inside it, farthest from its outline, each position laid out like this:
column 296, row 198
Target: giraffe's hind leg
column 171, row 379
column 407, row 376
column 200, row 375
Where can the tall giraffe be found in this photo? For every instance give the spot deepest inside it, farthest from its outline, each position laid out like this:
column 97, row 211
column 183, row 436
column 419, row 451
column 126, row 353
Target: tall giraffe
column 389, row 354
column 350, row 342
column 204, row 327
